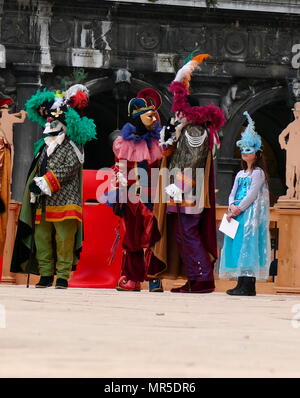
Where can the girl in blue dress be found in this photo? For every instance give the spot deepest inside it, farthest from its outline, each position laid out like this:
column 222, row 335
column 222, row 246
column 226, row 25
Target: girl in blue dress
column 247, row 256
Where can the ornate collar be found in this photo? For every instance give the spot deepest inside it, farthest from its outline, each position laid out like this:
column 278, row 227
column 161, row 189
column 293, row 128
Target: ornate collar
column 128, row 133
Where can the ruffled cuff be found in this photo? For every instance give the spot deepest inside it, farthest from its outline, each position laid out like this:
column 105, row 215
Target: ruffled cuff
column 43, row 185
column 162, row 142
column 174, row 192
column 32, row 197
column 121, row 179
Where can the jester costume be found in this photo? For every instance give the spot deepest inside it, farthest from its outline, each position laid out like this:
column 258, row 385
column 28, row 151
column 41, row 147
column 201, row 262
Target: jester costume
column 49, row 232
column 186, row 218
column 247, row 256
column 137, row 152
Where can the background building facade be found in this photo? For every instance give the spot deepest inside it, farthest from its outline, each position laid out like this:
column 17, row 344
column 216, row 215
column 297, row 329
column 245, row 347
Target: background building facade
column 117, row 48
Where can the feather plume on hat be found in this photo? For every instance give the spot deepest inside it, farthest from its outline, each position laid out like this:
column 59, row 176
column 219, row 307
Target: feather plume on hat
column 77, row 96
column 185, row 73
column 211, row 114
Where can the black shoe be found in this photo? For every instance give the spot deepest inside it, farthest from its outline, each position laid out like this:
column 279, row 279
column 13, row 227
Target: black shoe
column 45, row 281
column 61, row 283
column 246, row 287
column 155, row 285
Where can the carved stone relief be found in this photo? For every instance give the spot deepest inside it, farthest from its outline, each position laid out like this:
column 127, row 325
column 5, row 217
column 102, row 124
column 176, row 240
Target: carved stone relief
column 235, row 43
column 60, row 31
column 191, row 39
column 278, row 47
column 255, row 45
column 15, row 30
column 8, row 84
column 148, row 37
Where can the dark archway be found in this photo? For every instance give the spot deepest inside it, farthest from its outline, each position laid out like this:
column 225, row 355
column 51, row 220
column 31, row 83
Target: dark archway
column 110, row 114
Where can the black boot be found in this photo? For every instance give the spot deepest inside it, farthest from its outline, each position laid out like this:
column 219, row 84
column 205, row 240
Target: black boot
column 237, row 287
column 246, row 287
column 45, row 281
column 61, row 283
column 249, row 286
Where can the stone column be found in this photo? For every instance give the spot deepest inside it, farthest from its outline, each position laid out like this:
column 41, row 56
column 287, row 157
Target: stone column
column 28, row 82
column 42, row 19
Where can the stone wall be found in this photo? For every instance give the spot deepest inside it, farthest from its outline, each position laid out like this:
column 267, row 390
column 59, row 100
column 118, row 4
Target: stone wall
column 44, row 42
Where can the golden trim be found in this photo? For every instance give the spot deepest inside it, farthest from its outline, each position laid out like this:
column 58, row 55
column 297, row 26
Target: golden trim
column 63, row 208
column 63, row 218
column 150, row 108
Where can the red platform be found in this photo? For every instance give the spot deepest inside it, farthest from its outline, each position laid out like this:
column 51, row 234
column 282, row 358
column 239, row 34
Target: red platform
column 93, row 269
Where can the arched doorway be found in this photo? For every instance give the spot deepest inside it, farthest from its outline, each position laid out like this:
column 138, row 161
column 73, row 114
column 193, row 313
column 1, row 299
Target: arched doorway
column 110, row 114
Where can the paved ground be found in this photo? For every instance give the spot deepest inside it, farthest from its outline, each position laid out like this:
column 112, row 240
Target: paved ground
column 105, row 333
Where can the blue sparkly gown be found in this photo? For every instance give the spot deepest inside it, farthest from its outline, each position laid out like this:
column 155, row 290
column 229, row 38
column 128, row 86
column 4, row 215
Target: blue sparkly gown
column 248, row 254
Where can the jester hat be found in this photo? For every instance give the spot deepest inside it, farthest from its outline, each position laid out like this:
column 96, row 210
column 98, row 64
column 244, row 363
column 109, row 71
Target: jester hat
column 46, row 104
column 251, row 141
column 146, row 100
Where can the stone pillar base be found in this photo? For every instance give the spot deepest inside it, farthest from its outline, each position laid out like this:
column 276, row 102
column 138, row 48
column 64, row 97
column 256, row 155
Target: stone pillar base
column 288, row 275
column 12, row 223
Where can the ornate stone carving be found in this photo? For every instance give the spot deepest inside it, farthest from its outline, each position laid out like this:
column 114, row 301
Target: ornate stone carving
column 15, row 30
column 235, row 43
column 191, row 39
column 60, row 31
column 216, row 42
column 103, row 35
column 255, row 45
column 278, row 47
column 148, row 38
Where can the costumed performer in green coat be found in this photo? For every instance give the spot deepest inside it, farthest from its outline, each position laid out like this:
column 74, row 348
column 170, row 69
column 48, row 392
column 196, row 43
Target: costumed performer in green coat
column 49, row 236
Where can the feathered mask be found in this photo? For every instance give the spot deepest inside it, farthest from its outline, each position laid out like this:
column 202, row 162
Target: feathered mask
column 251, row 141
column 211, row 115
column 49, row 105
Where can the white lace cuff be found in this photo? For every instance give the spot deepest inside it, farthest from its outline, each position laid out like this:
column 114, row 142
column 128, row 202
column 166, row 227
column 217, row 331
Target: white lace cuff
column 32, row 197
column 121, row 179
column 175, row 192
column 170, row 141
column 43, row 185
